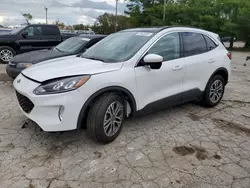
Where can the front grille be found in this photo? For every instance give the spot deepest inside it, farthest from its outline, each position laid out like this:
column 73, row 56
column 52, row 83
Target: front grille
column 25, row 103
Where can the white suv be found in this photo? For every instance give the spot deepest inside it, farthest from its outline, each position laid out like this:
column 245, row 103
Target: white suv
column 131, row 71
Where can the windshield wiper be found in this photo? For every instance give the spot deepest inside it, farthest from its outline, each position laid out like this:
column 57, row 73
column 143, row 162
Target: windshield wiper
column 58, row 49
column 94, row 58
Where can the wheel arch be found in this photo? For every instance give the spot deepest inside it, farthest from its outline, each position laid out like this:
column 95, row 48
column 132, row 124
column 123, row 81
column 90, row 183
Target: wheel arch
column 116, row 89
column 12, row 45
column 221, row 71
column 205, row 100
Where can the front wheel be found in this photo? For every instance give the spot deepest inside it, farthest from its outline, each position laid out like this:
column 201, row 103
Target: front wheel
column 214, row 91
column 105, row 118
column 6, row 54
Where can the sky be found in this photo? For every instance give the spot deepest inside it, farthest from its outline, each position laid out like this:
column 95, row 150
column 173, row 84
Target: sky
column 68, row 11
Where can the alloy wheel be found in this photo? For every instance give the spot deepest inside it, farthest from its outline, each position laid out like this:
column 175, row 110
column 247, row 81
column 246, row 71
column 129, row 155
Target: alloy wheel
column 113, row 118
column 6, row 55
column 216, row 91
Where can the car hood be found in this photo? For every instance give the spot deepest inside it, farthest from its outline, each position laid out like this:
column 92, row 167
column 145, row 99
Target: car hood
column 68, row 66
column 7, row 37
column 38, row 56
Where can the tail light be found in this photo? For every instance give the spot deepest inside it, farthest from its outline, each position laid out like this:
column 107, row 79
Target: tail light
column 229, row 55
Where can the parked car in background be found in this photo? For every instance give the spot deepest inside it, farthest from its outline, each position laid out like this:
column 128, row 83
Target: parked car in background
column 65, row 36
column 66, row 31
column 129, row 72
column 227, row 39
column 29, row 38
column 71, row 46
column 90, row 32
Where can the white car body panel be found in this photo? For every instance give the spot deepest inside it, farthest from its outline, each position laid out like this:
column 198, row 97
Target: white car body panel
column 146, row 85
column 45, row 112
column 199, row 68
column 75, row 66
column 154, row 85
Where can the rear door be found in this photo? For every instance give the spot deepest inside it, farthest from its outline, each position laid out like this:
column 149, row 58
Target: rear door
column 32, row 41
column 200, row 60
column 51, row 36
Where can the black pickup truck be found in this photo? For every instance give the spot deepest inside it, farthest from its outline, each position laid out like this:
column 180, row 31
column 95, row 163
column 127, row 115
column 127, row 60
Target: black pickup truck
column 29, row 38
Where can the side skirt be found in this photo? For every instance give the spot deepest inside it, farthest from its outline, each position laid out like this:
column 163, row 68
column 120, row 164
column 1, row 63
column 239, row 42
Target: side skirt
column 187, row 96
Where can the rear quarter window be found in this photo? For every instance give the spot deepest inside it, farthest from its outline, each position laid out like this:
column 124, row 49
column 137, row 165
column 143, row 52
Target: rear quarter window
column 210, row 43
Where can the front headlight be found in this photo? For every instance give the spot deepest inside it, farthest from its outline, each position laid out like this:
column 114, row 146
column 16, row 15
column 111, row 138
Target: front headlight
column 61, row 85
column 23, row 65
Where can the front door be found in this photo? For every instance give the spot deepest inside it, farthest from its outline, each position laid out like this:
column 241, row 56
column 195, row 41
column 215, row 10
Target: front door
column 34, row 40
column 162, row 87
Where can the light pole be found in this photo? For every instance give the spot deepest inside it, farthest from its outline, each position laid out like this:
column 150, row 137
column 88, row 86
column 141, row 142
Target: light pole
column 116, row 3
column 164, row 10
column 46, row 9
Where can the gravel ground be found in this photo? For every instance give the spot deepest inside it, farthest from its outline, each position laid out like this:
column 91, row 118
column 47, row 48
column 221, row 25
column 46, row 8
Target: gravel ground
column 186, row 146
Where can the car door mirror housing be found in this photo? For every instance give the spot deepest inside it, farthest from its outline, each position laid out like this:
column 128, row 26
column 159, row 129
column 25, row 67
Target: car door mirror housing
column 153, row 60
column 25, row 34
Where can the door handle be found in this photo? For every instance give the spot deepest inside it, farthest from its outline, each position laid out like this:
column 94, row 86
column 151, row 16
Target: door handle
column 211, row 61
column 178, row 67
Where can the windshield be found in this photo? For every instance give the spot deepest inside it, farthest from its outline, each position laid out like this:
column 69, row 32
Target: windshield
column 72, row 45
column 16, row 30
column 118, row 47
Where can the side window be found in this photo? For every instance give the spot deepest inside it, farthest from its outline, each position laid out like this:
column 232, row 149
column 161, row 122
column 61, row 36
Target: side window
column 50, row 30
column 194, row 43
column 34, row 31
column 168, row 47
column 210, row 44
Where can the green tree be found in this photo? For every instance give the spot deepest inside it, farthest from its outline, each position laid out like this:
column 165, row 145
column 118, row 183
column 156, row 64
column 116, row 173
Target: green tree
column 27, row 17
column 59, row 24
column 105, row 23
column 236, row 17
column 244, row 22
column 225, row 17
column 80, row 27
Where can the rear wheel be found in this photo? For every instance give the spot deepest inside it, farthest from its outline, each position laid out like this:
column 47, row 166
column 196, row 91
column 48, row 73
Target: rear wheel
column 6, row 54
column 214, row 91
column 105, row 118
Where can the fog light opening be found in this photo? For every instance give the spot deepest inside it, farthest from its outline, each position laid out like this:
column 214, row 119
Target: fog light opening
column 60, row 113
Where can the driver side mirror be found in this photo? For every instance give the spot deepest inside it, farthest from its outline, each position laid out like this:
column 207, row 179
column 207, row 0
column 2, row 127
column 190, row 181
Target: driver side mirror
column 25, row 34
column 153, row 60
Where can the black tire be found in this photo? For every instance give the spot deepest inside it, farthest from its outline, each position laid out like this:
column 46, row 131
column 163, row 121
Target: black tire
column 207, row 101
column 96, row 115
column 6, row 48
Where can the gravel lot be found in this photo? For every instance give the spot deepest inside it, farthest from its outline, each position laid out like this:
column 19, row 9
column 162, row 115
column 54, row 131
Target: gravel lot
column 186, row 146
